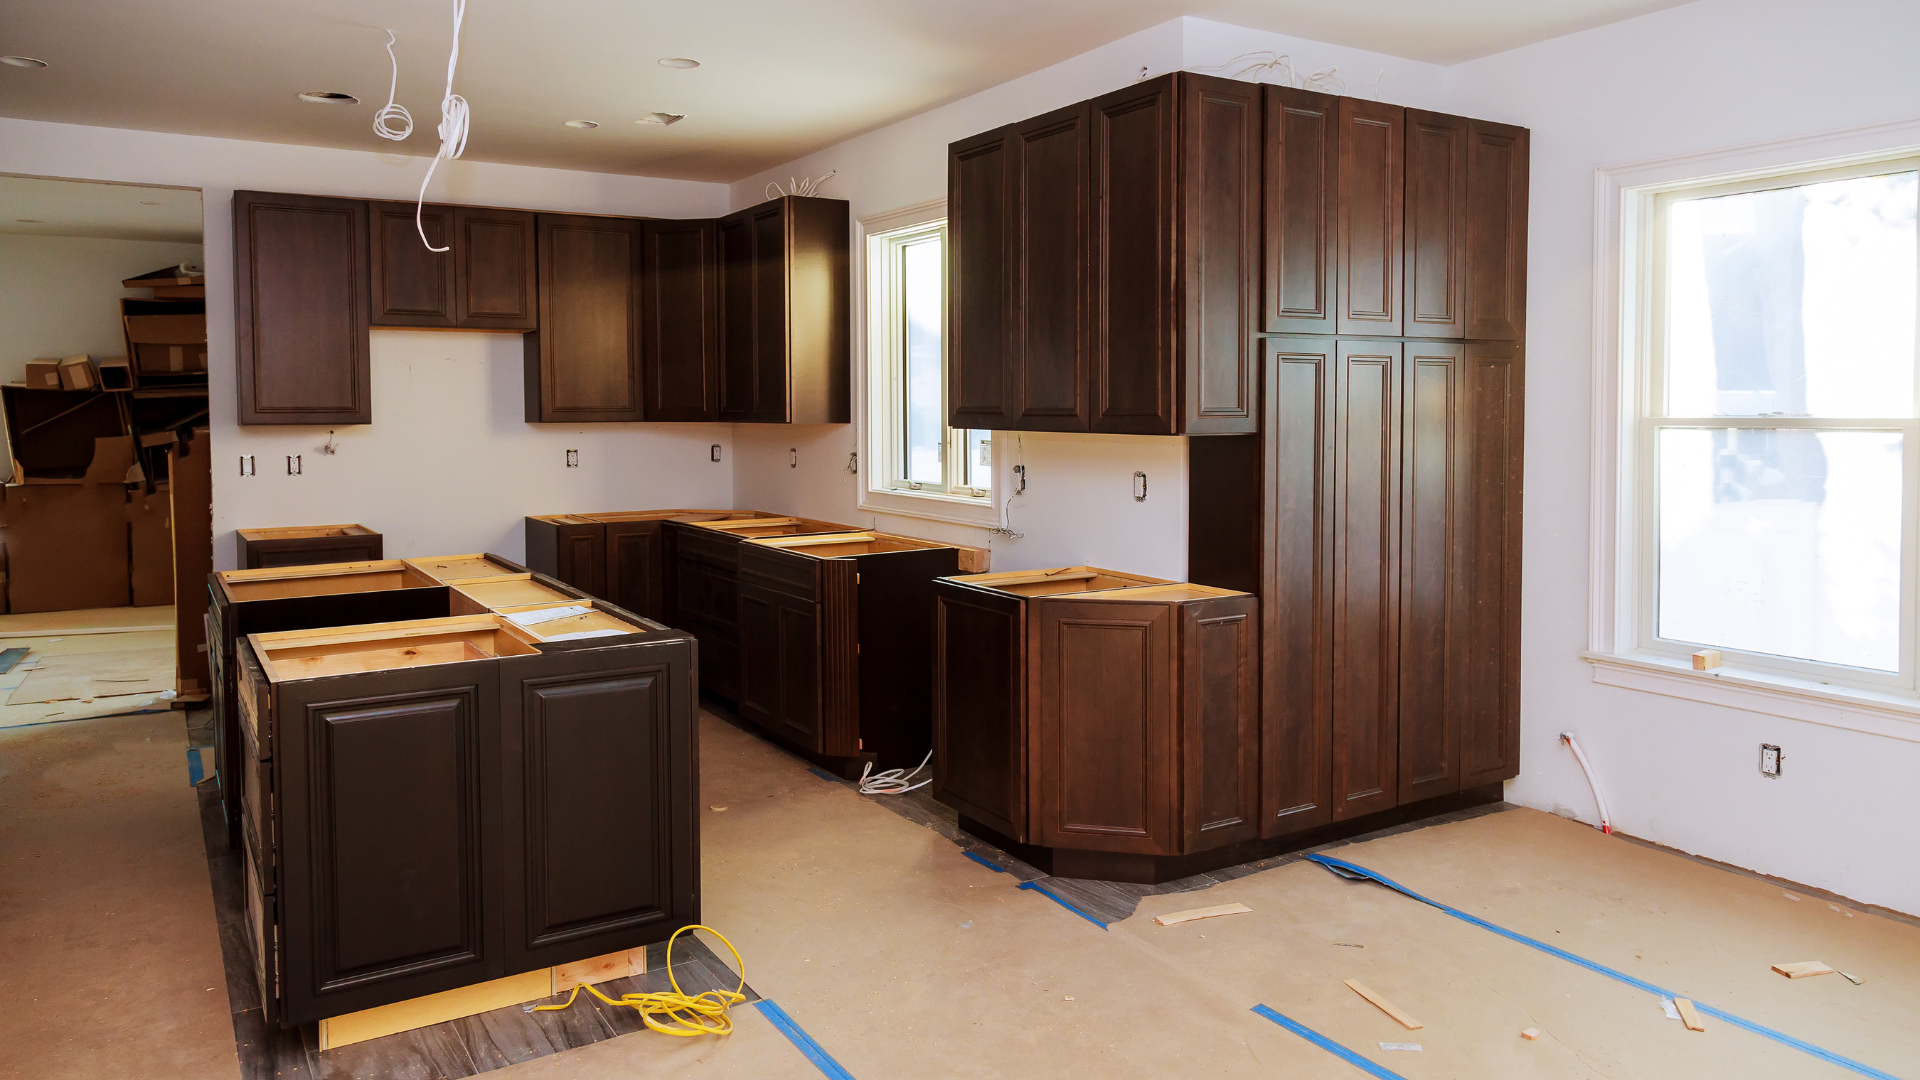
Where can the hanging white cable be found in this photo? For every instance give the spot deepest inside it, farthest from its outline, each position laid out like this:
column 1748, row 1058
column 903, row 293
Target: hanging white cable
column 1599, row 800
column 393, row 122
column 893, row 781
column 453, row 125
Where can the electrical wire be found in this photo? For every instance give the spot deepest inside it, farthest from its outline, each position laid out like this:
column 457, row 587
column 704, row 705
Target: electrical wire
column 452, row 129
column 1599, row 800
column 684, row 1015
column 893, row 781
column 393, row 122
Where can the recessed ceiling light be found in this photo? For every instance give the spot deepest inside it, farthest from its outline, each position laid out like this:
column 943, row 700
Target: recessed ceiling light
column 679, row 62
column 581, row 125
column 30, row 62
column 662, row 119
column 329, row 97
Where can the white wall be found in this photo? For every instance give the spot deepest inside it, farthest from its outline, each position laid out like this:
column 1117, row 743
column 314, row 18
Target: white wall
column 1714, row 74
column 1078, row 507
column 60, row 295
column 448, row 465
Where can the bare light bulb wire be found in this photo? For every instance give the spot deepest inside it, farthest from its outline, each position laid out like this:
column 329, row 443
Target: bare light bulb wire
column 393, row 122
column 452, row 129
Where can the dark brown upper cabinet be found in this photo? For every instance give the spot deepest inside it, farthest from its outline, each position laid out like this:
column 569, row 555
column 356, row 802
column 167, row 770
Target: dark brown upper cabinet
column 1302, row 205
column 1496, row 302
column 784, row 313
column 583, row 364
column 1372, row 149
column 300, row 309
column 1436, row 250
column 1105, row 264
column 484, row 281
column 679, row 317
column 493, row 255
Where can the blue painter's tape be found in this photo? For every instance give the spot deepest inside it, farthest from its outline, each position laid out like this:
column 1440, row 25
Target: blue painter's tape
column 1618, row 976
column 824, row 775
column 1062, row 901
column 1327, row 1044
column 194, row 773
column 813, row 1050
column 985, row 863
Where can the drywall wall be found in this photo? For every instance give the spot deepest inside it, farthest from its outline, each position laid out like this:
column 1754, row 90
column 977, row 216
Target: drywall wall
column 1710, row 75
column 60, row 295
column 448, row 463
column 1079, row 505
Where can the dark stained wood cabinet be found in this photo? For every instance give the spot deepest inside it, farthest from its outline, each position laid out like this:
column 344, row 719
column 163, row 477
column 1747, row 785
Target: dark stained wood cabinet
column 1494, row 414
column 495, row 279
column 1497, row 177
column 484, row 280
column 583, row 364
column 1434, row 601
column 411, row 285
column 431, row 816
column 1105, row 262
column 835, row 631
column 623, row 556
column 306, row 545
column 571, row 548
column 1372, row 152
column 679, row 318
column 300, row 309
column 1365, row 616
column 1302, row 202
column 783, row 313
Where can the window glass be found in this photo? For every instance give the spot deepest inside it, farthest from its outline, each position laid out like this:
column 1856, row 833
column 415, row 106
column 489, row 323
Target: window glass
column 923, row 297
column 1782, row 541
column 1796, row 301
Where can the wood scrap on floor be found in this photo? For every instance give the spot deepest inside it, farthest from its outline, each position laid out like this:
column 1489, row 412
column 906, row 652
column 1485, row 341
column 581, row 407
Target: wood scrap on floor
column 1192, row 914
column 88, row 676
column 1530, row 1034
column 1689, row 1015
column 1803, row 969
column 1384, row 1005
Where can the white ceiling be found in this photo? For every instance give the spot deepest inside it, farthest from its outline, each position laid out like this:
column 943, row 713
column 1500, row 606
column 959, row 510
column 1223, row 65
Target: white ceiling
column 779, row 78
column 106, row 211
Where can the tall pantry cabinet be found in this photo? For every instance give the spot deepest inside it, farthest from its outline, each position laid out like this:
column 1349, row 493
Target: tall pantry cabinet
column 1377, row 511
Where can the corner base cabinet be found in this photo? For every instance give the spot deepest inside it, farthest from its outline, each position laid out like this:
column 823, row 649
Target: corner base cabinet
column 436, row 809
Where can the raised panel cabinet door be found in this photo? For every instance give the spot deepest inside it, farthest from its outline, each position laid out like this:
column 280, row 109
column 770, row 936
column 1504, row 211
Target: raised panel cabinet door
column 1372, row 145
column 680, row 319
column 1366, row 580
column 760, row 672
column 391, row 877
column 494, row 253
column 816, row 372
column 1490, row 723
column 1433, row 571
column 1302, row 181
column 583, row 364
column 1496, row 304
column 1296, row 684
column 412, row 286
column 979, row 706
column 636, row 568
column 1105, row 771
column 1051, row 216
column 707, row 604
column 800, row 715
column 300, row 307
column 982, row 375
column 583, row 559
column 1134, row 305
column 770, row 225
column 575, row 726
column 739, row 348
column 1220, row 722
column 1436, row 225
column 1220, row 244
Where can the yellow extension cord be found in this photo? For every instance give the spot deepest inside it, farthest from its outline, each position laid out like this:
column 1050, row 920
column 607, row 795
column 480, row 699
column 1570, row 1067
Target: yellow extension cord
column 704, row 1014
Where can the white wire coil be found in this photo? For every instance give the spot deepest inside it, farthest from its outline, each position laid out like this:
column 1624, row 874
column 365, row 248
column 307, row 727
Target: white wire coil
column 893, row 781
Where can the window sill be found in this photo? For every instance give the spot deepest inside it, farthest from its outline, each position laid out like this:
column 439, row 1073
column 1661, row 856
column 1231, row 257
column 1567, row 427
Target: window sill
column 932, row 506
column 1867, row 711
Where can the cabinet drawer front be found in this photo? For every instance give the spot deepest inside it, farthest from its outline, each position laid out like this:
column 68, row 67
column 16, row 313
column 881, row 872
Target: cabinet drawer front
column 780, row 571
column 705, row 546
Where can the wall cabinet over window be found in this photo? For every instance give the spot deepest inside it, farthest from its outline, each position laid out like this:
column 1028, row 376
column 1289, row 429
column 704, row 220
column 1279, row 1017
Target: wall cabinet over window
column 1104, row 263
column 783, row 313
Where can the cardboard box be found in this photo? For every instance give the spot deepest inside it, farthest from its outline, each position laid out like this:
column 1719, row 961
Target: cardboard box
column 43, row 374
column 151, row 358
column 149, row 518
column 173, row 344
column 67, row 546
column 77, row 373
column 116, row 372
column 53, row 434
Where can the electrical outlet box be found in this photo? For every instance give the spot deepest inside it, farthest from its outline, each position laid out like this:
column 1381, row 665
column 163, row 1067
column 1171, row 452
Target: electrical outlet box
column 715, row 452
column 293, row 464
column 573, row 459
column 1770, row 758
column 246, row 465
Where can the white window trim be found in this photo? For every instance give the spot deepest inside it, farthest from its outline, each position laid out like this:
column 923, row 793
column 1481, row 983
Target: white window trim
column 1623, row 197
column 875, row 394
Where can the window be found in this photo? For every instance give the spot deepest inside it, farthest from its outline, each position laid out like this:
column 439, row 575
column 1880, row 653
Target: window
column 1775, row 438
column 919, row 465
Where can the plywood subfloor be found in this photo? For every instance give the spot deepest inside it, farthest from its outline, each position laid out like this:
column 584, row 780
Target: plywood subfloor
column 109, row 958
column 84, row 664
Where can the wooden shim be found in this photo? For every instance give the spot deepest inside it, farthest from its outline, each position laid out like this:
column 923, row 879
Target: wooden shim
column 1803, row 969
column 1191, row 914
column 434, row 1008
column 1689, row 1015
column 814, row 540
column 1384, row 1005
column 599, row 969
column 1530, row 1034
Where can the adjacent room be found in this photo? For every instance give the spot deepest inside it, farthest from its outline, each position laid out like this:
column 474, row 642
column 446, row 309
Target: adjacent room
column 1259, row 538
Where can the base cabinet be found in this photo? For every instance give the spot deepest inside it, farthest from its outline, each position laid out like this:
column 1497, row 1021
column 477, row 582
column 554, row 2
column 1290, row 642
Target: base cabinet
column 442, row 823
